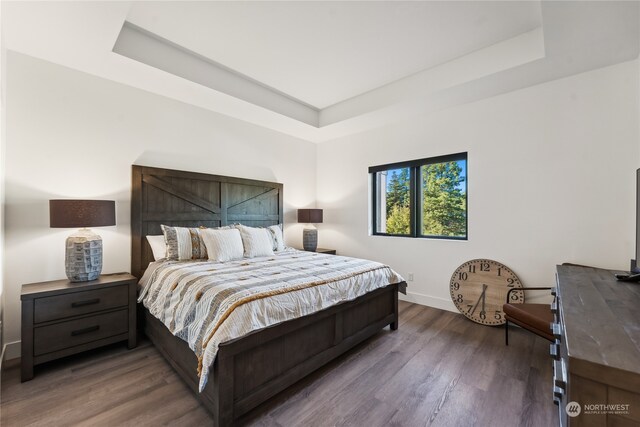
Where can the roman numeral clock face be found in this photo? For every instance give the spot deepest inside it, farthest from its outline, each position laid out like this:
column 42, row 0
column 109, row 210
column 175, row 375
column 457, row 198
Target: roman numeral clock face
column 479, row 289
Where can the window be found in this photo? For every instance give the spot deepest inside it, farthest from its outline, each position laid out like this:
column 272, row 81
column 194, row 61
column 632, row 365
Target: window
column 421, row 198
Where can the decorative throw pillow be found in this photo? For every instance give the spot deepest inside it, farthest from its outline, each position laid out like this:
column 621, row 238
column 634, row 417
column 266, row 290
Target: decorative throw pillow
column 256, row 241
column 158, row 247
column 277, row 237
column 223, row 244
column 184, row 243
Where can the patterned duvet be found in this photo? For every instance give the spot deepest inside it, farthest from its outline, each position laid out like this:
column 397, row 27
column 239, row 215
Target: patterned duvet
column 207, row 303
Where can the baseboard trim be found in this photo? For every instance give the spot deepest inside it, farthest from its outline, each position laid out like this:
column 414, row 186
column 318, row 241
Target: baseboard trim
column 11, row 350
column 447, row 304
column 429, row 301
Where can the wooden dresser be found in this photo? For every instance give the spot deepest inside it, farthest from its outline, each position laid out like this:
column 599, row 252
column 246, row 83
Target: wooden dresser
column 60, row 318
column 597, row 348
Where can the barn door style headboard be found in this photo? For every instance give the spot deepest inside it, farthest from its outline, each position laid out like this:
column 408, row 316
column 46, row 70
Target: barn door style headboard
column 191, row 199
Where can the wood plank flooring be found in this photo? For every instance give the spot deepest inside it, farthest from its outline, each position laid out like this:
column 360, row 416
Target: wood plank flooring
column 438, row 369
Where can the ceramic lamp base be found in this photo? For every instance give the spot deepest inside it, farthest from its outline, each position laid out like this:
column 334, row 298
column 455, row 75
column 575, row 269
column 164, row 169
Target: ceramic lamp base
column 310, row 239
column 83, row 258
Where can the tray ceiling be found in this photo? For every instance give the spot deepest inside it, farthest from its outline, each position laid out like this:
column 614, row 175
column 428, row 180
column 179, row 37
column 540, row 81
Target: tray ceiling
column 323, row 53
column 321, row 70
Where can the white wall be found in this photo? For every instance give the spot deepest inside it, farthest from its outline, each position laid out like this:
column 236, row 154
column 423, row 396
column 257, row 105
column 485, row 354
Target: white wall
column 72, row 135
column 551, row 179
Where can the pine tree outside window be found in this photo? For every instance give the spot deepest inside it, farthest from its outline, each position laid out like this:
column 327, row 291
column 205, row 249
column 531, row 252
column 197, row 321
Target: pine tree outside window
column 421, row 198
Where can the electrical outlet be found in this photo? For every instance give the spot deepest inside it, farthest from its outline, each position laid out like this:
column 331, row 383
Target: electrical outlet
column 410, row 277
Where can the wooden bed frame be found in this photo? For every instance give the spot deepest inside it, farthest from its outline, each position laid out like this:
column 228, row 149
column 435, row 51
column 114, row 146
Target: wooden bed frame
column 249, row 370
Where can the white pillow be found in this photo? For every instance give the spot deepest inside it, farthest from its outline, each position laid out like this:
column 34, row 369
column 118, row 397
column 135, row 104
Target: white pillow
column 277, row 237
column 256, row 241
column 222, row 245
column 158, row 247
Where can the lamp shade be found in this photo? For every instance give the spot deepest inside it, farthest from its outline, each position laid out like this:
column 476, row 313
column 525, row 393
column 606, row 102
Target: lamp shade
column 81, row 213
column 313, row 216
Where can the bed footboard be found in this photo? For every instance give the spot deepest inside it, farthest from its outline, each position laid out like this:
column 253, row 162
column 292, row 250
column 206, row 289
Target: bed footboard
column 250, row 370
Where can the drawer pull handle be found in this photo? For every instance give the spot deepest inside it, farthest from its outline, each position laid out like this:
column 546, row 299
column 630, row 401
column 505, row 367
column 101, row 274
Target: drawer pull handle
column 558, row 392
column 85, row 330
column 553, row 351
column 83, row 303
column 557, row 330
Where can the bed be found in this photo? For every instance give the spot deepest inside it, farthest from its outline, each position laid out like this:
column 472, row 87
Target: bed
column 251, row 369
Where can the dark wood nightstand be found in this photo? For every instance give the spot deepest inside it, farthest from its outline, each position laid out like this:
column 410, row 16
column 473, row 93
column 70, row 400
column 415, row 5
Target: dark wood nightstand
column 323, row 251
column 60, row 318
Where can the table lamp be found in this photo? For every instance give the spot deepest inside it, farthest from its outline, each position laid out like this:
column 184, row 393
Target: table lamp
column 310, row 232
column 83, row 257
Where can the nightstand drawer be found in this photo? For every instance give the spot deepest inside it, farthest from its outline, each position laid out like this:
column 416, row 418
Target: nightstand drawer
column 75, row 332
column 61, row 306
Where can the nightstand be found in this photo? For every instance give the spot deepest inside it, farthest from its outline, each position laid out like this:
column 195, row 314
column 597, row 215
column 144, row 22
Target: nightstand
column 60, row 318
column 324, row 251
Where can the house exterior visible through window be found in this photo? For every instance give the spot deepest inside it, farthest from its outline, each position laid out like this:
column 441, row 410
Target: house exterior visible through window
column 421, row 198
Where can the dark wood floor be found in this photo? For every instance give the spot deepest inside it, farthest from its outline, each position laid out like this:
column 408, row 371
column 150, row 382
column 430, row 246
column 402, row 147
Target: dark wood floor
column 438, row 369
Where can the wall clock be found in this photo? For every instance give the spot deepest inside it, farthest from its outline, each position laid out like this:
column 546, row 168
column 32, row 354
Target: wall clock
column 479, row 289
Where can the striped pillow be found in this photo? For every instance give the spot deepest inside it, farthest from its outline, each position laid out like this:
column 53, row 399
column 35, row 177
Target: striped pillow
column 184, row 243
column 277, row 237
